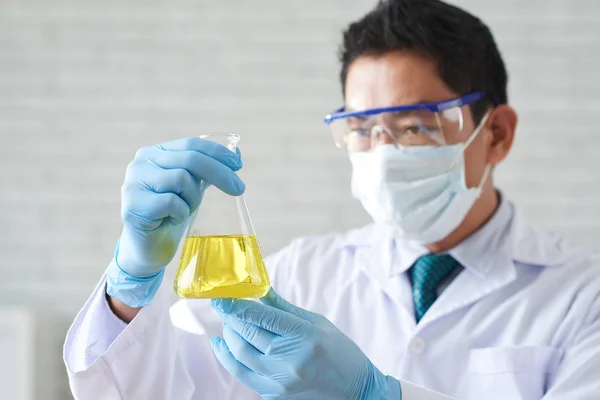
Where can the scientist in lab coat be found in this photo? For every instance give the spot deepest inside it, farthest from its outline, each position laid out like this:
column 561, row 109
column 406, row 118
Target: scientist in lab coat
column 450, row 293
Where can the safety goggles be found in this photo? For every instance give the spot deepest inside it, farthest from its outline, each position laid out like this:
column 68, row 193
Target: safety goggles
column 432, row 124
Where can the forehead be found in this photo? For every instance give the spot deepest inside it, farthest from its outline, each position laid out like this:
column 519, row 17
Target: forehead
column 391, row 79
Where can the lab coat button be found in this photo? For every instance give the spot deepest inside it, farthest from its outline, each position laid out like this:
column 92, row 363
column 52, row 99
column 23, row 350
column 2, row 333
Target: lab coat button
column 417, row 345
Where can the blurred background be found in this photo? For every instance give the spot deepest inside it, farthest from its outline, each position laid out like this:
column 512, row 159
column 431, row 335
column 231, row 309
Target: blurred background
column 83, row 84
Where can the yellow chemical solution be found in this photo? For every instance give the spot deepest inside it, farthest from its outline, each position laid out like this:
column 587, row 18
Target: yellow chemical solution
column 221, row 266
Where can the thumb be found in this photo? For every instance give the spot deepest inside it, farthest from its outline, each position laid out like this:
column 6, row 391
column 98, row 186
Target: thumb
column 273, row 299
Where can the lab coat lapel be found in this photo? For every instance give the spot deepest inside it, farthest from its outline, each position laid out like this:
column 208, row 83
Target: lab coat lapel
column 466, row 289
column 375, row 261
column 487, row 258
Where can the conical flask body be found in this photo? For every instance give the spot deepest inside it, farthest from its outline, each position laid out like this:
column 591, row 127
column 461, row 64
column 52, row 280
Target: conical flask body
column 221, row 256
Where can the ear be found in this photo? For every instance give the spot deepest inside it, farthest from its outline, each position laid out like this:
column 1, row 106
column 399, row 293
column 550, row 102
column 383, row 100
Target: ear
column 502, row 125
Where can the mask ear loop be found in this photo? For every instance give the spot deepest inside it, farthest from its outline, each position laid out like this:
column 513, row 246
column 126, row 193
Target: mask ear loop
column 488, row 168
column 484, row 177
column 478, row 129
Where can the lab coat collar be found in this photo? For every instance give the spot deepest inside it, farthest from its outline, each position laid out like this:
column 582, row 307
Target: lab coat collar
column 505, row 239
column 365, row 236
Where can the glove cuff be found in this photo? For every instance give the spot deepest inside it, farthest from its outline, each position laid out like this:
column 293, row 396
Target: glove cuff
column 133, row 291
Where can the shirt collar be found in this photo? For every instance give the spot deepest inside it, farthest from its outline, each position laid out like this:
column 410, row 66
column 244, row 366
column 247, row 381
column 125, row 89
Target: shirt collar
column 490, row 246
column 478, row 253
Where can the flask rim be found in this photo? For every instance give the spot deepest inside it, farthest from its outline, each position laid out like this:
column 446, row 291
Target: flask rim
column 227, row 135
column 229, row 140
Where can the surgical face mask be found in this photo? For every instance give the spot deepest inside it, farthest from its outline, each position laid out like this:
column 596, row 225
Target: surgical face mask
column 419, row 191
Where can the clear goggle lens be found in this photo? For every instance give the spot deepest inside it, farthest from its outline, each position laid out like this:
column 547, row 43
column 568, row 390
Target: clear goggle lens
column 362, row 133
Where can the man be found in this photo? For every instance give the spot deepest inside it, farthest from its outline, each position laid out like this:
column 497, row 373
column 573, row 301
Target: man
column 451, row 292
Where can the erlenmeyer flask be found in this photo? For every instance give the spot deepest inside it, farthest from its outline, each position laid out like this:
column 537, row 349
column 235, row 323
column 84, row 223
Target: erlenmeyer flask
column 221, row 256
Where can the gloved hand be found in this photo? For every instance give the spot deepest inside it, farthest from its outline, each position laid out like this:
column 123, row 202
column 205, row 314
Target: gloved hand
column 160, row 192
column 284, row 352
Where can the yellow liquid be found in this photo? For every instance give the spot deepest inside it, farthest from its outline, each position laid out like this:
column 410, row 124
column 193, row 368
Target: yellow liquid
column 221, row 266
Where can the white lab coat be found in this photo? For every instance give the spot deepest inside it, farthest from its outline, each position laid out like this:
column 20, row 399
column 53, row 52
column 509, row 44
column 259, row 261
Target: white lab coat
column 521, row 321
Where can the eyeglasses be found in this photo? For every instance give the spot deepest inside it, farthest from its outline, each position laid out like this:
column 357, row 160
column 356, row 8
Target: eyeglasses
column 431, row 124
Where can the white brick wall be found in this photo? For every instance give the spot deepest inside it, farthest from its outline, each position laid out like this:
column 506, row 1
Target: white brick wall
column 84, row 83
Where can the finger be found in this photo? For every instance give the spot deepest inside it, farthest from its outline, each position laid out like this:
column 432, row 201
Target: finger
column 207, row 147
column 200, row 166
column 146, row 210
column 245, row 352
column 266, row 317
column 273, row 299
column 237, row 369
column 159, row 180
column 258, row 337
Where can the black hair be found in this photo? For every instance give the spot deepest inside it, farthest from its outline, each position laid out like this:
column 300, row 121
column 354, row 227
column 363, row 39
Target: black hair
column 460, row 44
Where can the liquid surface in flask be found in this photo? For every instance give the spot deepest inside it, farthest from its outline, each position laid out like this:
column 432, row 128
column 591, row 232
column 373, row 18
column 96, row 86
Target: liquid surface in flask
column 221, row 266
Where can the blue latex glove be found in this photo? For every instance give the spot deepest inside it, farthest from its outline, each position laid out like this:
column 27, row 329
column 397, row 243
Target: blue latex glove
column 160, row 192
column 284, row 352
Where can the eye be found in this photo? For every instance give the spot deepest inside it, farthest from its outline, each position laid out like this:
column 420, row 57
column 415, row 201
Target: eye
column 413, row 129
column 418, row 129
column 356, row 126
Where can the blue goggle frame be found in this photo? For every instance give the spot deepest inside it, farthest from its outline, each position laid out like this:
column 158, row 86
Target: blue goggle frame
column 433, row 107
